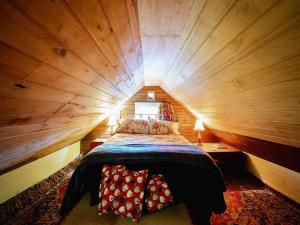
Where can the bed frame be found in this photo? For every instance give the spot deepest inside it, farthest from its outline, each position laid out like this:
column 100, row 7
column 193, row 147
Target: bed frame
column 145, row 116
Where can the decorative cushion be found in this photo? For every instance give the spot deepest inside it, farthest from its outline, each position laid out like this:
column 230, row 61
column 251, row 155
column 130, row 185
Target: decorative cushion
column 122, row 192
column 158, row 194
column 163, row 127
column 133, row 126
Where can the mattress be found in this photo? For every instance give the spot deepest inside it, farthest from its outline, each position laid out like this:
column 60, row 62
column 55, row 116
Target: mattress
column 170, row 139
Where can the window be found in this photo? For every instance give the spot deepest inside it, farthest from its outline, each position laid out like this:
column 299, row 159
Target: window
column 145, row 110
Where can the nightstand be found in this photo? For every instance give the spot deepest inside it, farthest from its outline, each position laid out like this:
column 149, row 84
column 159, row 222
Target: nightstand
column 223, row 153
column 96, row 142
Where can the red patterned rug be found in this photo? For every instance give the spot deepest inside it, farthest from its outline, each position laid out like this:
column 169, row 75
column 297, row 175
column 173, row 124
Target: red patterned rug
column 40, row 203
column 249, row 202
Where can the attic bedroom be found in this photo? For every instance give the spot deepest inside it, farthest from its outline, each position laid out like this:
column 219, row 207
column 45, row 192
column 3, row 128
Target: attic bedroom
column 162, row 112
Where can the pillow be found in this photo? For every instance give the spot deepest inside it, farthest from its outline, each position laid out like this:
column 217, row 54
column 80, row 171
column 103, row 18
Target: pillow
column 163, row 127
column 123, row 193
column 110, row 177
column 133, row 126
column 158, row 194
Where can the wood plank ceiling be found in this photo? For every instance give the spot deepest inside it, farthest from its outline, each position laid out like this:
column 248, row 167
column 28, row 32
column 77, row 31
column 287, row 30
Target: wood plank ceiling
column 236, row 63
column 64, row 66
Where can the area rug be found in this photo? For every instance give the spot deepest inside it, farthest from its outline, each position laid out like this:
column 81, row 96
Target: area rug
column 249, row 202
column 40, row 203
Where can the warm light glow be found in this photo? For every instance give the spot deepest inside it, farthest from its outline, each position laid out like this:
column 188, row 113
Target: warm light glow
column 205, row 119
column 112, row 121
column 151, row 96
column 199, row 125
column 115, row 111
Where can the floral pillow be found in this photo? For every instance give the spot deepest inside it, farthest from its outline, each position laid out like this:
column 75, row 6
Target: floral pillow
column 122, row 192
column 133, row 126
column 163, row 127
column 159, row 195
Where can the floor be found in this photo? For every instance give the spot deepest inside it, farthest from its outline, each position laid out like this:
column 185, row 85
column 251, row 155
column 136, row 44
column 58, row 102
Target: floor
column 249, row 201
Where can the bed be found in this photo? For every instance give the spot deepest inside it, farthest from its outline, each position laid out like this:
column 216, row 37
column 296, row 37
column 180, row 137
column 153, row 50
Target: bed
column 191, row 173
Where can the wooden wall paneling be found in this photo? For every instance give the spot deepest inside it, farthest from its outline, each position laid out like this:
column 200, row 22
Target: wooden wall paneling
column 186, row 119
column 44, row 48
column 197, row 81
column 274, row 22
column 257, row 132
column 281, row 72
column 161, row 23
column 208, row 18
column 16, row 131
column 66, row 30
column 61, row 73
column 283, row 155
column 66, row 141
column 18, row 111
column 251, row 86
column 115, row 11
column 35, row 92
column 238, row 18
column 269, row 56
column 38, row 144
column 132, row 10
column 27, row 90
column 35, row 70
column 101, row 31
column 102, row 131
column 94, row 20
column 28, row 144
column 197, row 7
column 279, row 178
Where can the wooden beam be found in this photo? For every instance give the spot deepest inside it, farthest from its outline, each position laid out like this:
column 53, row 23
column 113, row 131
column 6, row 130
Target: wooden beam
column 280, row 154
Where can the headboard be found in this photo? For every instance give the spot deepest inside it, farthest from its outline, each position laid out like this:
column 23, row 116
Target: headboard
column 145, row 116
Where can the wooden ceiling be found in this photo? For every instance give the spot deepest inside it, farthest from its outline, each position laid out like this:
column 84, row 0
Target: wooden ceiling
column 161, row 25
column 65, row 64
column 236, row 63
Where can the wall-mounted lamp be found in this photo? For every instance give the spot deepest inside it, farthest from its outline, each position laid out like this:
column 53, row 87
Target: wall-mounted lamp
column 112, row 121
column 151, row 96
column 199, row 127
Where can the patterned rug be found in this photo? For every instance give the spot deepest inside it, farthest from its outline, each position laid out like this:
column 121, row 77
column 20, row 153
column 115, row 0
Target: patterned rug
column 40, row 203
column 249, row 202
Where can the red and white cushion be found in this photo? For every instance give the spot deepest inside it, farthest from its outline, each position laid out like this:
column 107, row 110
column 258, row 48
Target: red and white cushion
column 122, row 192
column 159, row 195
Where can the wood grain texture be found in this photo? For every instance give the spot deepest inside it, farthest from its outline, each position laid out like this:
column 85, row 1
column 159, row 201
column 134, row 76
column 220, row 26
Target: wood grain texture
column 280, row 154
column 236, row 64
column 64, row 65
column 161, row 24
column 280, row 178
column 186, row 118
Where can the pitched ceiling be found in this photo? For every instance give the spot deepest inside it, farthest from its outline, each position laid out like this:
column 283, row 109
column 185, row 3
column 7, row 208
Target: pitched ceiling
column 235, row 63
column 66, row 64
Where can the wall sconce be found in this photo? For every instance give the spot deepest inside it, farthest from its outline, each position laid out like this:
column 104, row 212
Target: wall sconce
column 199, row 127
column 151, row 96
column 112, row 121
